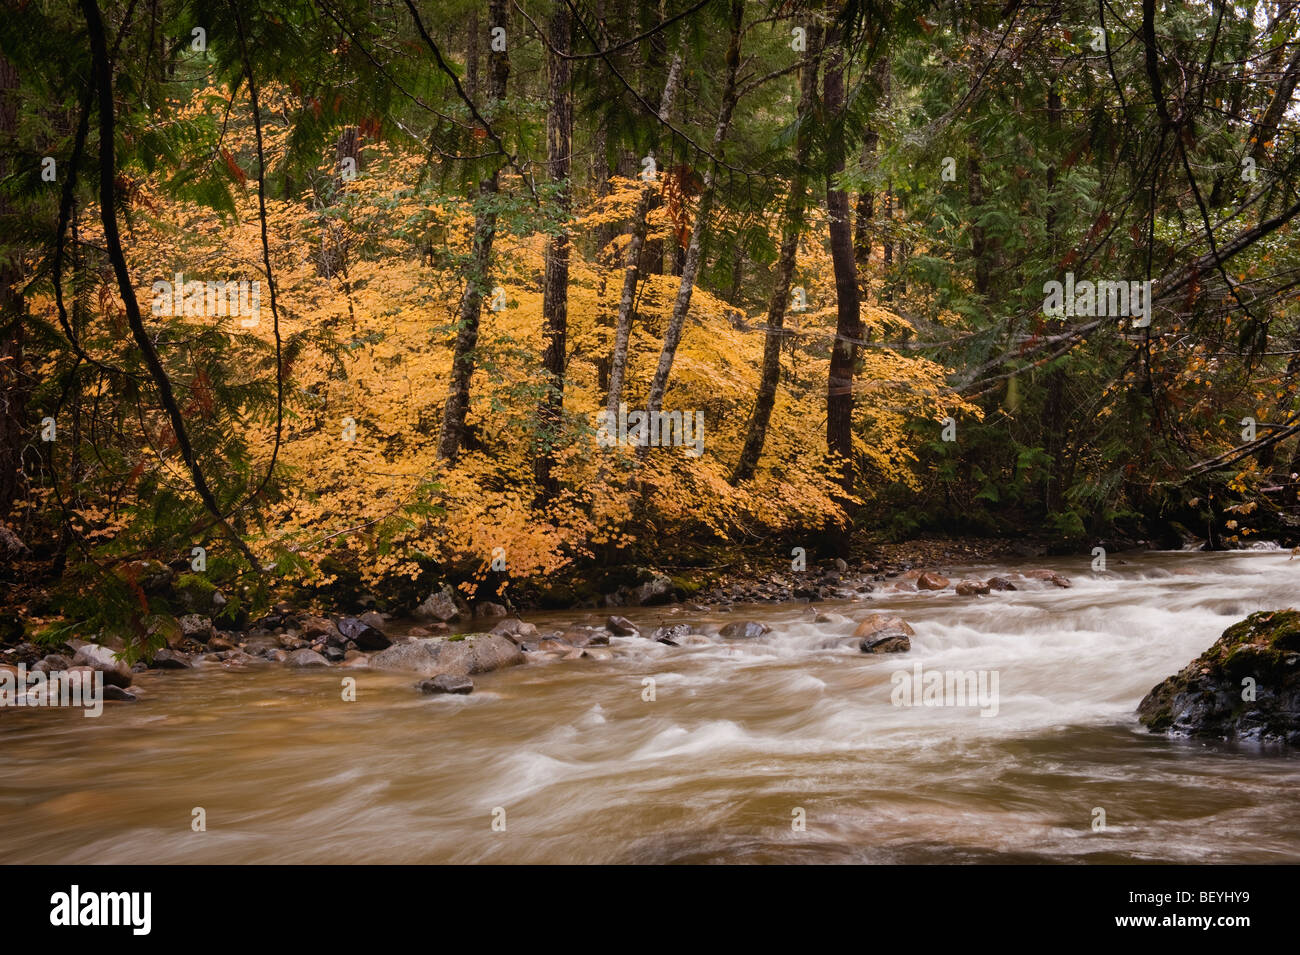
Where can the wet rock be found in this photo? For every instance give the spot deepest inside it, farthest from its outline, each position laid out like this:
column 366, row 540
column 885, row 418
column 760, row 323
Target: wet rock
column 118, row 695
column 332, row 652
column 931, row 581
column 621, row 627
column 515, row 629
column 291, row 641
column 372, row 618
column 841, row 565
column 236, row 658
column 115, row 670
column 56, row 661
column 277, row 656
column 971, row 588
column 657, row 590
column 439, row 606
column 317, row 628
column 888, row 642
column 476, row 653
column 169, row 659
column 258, row 643
column 672, row 636
column 447, row 683
column 882, row 623
column 1000, row 583
column 585, row 637
column 1244, row 687
column 220, row 642
column 553, row 645
column 744, row 630
column 489, row 609
column 1051, row 576
column 831, row 618
column 364, row 636
column 195, row 626
column 307, row 658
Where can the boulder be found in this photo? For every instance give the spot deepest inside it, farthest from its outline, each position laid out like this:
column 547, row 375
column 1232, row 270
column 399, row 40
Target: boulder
column 116, row 672
column 306, row 658
column 440, row 606
column 515, row 629
column 195, row 626
column 672, row 636
column 1244, row 687
column 886, row 642
column 316, row 628
column 585, row 637
column 744, row 630
column 1000, row 583
column 971, row 588
column 447, row 683
column 489, row 609
column 169, row 659
column 1051, row 576
column 656, row 590
column 882, row 622
column 372, row 618
column 365, row 636
column 117, row 694
column 931, row 581
column 621, row 627
column 430, row 656
column 220, row 642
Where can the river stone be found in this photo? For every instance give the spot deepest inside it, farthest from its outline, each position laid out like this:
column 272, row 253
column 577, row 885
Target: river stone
column 585, row 637
column 365, row 636
column 672, row 636
column 881, row 622
column 886, row 642
column 489, row 609
column 657, row 590
column 439, row 606
column 57, row 661
column 515, row 629
column 1050, row 576
column 1000, row 583
column 972, row 588
column 372, row 618
column 116, row 672
column 169, row 659
column 931, row 581
column 621, row 627
column 306, row 658
column 314, row 628
column 447, row 683
column 117, row 694
column 1205, row 699
column 476, row 653
column 553, row 645
column 197, row 627
column 744, row 630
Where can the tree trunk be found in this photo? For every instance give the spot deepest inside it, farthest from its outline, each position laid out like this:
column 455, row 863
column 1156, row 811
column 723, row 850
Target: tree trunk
column 454, row 430
column 848, row 324
column 13, row 388
column 623, row 329
column 673, row 333
column 555, row 293
column 756, row 435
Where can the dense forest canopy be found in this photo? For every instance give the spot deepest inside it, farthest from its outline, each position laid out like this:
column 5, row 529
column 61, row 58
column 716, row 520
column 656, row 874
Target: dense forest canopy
column 376, row 296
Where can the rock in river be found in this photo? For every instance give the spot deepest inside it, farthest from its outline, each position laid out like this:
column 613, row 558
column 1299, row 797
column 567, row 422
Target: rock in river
column 431, row 656
column 743, row 630
column 1245, row 687
column 446, row 683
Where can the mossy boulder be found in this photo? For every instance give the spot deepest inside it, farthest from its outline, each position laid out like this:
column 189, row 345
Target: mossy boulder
column 1245, row 687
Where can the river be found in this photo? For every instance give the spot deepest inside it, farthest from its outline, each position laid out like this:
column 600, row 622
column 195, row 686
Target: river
column 742, row 741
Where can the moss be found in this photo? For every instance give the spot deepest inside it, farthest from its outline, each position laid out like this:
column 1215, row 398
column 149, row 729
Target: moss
column 686, row 586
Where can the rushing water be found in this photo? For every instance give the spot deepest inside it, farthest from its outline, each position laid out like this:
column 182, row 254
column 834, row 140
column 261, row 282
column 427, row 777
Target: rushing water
column 738, row 736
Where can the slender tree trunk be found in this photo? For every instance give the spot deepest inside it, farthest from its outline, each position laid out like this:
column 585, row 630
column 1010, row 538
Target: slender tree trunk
column 13, row 388
column 792, row 226
column 1052, row 421
column 673, row 333
column 555, row 293
column 979, row 245
column 454, row 429
column 640, row 225
column 848, row 324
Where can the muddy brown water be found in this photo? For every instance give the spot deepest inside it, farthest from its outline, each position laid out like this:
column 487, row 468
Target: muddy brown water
column 740, row 737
